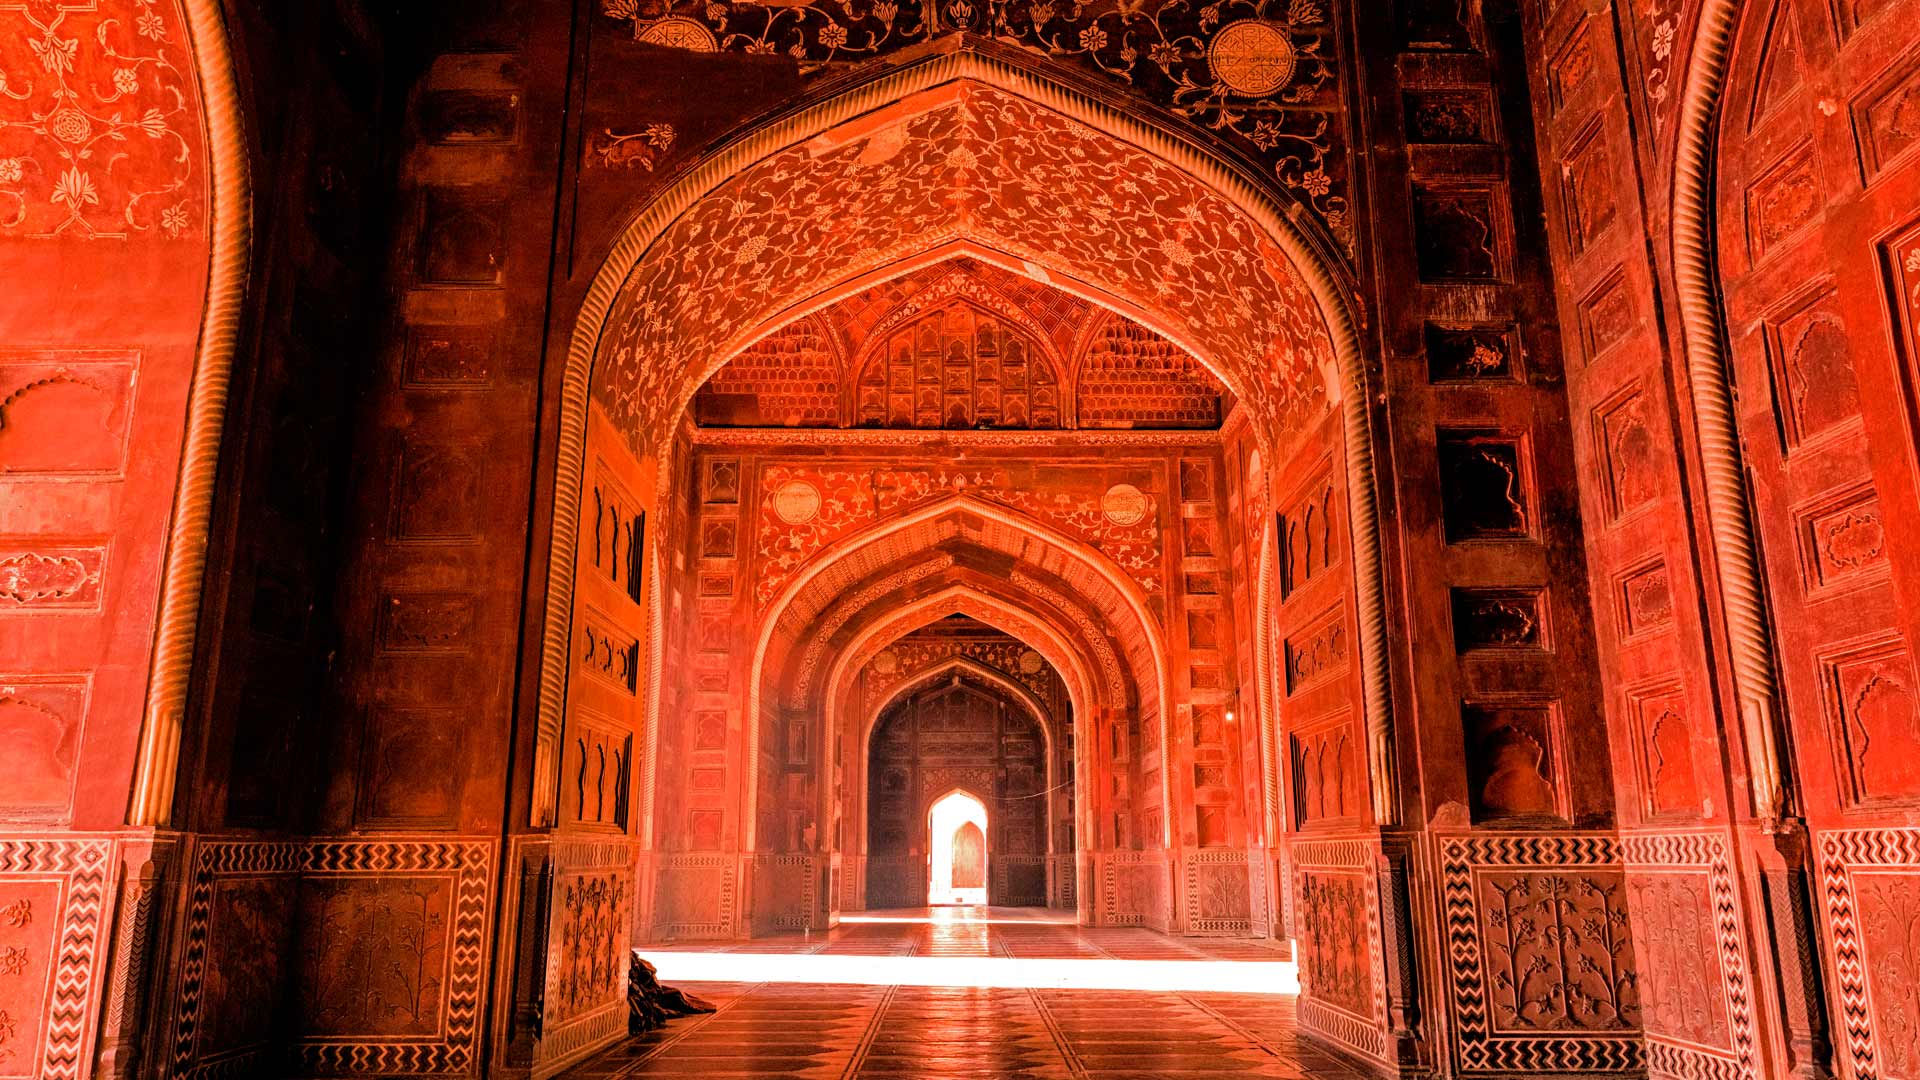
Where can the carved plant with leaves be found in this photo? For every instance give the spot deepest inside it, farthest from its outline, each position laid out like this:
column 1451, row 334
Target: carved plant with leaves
column 92, row 123
column 1168, row 50
column 1559, row 953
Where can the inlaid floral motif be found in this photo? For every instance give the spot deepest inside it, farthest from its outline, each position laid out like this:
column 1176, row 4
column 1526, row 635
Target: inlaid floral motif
column 1259, row 72
column 98, row 123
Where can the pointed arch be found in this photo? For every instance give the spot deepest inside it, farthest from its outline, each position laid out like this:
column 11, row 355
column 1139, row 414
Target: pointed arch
column 1296, row 348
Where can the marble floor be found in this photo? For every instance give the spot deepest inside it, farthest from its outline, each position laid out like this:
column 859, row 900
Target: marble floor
column 1014, row 1009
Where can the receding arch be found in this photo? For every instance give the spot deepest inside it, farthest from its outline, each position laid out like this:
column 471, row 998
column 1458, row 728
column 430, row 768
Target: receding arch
column 1327, row 360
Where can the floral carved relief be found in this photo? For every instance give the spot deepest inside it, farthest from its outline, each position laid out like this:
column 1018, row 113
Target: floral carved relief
column 1890, row 927
column 992, row 167
column 1261, row 73
column 1674, row 933
column 98, row 124
column 1560, row 957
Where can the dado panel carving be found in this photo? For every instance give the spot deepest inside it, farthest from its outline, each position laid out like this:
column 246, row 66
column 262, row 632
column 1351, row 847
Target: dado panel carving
column 1541, row 954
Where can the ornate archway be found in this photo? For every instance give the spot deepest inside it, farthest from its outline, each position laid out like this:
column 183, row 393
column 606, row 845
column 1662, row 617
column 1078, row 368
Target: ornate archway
column 655, row 324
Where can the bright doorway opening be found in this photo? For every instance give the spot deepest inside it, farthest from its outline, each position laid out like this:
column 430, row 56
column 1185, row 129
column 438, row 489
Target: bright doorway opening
column 957, row 850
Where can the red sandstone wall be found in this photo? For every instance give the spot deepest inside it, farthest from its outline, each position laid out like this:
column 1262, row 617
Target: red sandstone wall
column 104, row 240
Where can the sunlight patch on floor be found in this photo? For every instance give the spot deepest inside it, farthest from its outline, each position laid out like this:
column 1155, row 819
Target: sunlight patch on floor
column 1004, row 972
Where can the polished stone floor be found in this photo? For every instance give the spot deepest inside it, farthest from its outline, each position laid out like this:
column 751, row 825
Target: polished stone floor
column 1032, row 1021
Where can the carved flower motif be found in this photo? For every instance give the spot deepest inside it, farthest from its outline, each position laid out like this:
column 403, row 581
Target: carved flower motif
column 1316, row 183
column 621, row 9
column 10, row 170
column 1913, row 260
column 1040, row 14
column 174, row 219
column 886, row 12
column 717, row 14
column 833, row 35
column 961, row 157
column 125, row 80
column 1163, row 53
column 750, row 250
column 1093, row 39
column 1663, row 40
column 69, row 125
column 151, row 26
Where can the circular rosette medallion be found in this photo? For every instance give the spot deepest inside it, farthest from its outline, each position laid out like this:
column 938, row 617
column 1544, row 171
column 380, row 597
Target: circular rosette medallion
column 1030, row 662
column 1125, row 504
column 886, row 662
column 676, row 32
column 796, row 502
column 1252, row 58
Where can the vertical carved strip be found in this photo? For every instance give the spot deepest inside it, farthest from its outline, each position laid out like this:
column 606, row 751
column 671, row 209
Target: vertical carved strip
column 133, row 945
column 1403, row 1007
column 1709, row 382
column 229, row 210
column 1788, row 908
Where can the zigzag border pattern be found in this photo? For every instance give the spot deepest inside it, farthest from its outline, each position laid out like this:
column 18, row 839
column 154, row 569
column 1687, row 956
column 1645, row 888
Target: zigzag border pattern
column 1706, row 851
column 470, row 864
column 83, row 863
column 1478, row 1047
column 213, row 860
column 1841, row 852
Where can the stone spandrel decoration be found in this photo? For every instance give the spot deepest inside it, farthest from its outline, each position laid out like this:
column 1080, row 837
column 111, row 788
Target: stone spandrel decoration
column 1260, row 73
column 98, row 123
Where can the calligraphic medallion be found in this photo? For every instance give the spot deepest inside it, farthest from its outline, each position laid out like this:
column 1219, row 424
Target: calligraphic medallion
column 1252, row 57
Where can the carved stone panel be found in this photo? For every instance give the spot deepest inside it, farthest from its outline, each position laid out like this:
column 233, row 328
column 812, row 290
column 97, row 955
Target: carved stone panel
column 1484, row 486
column 426, row 622
column 1673, row 923
column 1886, row 119
column 65, row 412
column 1541, row 955
column 1459, row 234
column 1316, row 653
column 590, row 943
column 1499, row 619
column 436, row 492
column 1587, row 185
column 1782, row 199
column 1663, row 750
column 374, row 953
column 609, row 653
column 1606, row 315
column 450, row 357
column 412, row 767
column 41, row 718
column 1644, row 597
column 1627, row 451
column 462, row 238
column 1873, row 707
column 1448, row 116
column 1842, row 538
column 1811, row 361
column 37, row 576
column 958, row 367
column 1335, row 957
column 1471, row 353
column 1513, row 760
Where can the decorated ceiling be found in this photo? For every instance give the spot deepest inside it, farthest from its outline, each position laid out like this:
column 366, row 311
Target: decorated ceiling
column 963, row 344
column 980, row 166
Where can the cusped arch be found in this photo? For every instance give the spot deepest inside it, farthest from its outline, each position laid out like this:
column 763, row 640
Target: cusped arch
column 1291, row 346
